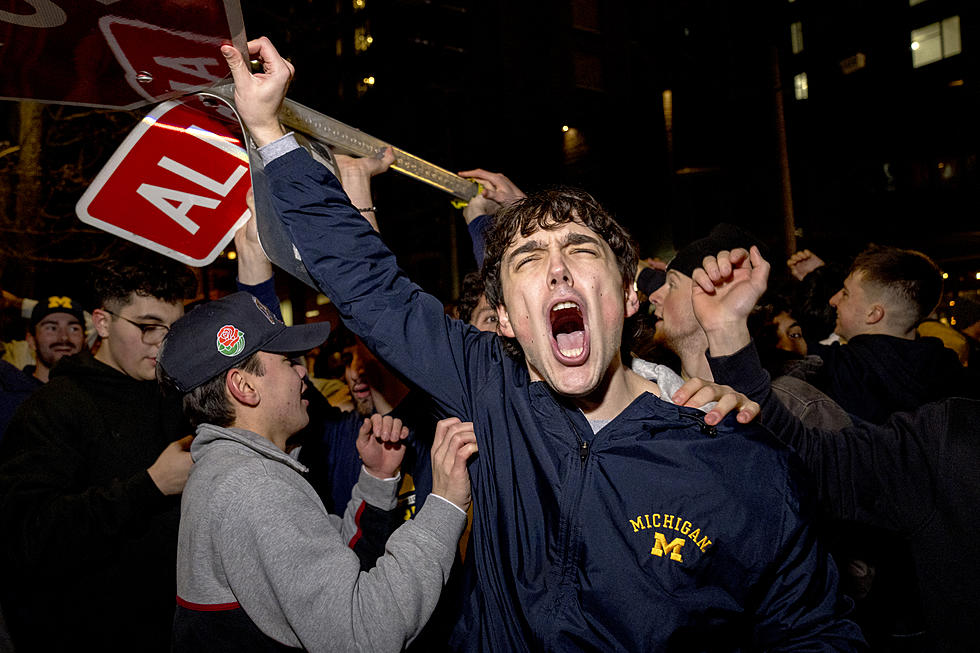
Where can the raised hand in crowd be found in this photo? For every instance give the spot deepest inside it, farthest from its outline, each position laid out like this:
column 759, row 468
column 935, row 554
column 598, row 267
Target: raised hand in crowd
column 355, row 176
column 258, row 96
column 253, row 265
column 379, row 444
column 498, row 192
column 726, row 289
column 803, row 263
column 453, row 445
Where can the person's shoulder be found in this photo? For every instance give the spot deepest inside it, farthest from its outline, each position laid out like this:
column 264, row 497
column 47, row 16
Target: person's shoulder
column 16, row 381
column 228, row 468
column 755, row 447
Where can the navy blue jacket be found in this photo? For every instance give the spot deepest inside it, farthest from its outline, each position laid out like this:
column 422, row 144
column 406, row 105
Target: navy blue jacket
column 15, row 387
column 657, row 533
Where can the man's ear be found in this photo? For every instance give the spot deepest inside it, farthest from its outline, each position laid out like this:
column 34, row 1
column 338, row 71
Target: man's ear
column 238, row 385
column 876, row 314
column 31, row 342
column 100, row 319
column 503, row 322
column 632, row 301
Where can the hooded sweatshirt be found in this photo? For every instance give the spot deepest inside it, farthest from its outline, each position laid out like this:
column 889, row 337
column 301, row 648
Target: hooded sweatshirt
column 89, row 542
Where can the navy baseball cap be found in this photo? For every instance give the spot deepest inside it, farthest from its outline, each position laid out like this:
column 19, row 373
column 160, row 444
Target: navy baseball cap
column 216, row 336
column 56, row 304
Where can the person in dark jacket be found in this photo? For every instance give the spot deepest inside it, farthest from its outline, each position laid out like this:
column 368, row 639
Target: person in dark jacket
column 914, row 475
column 604, row 518
column 884, row 367
column 91, row 469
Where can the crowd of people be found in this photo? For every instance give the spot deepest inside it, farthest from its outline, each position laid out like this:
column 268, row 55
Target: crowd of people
column 585, row 452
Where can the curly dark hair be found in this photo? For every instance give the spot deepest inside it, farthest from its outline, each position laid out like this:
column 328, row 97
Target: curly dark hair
column 144, row 273
column 549, row 209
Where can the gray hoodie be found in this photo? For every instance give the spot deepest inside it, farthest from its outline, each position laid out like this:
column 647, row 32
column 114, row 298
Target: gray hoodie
column 253, row 532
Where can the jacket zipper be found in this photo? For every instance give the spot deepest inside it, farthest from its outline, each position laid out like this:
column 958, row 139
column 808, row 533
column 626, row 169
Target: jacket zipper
column 568, row 519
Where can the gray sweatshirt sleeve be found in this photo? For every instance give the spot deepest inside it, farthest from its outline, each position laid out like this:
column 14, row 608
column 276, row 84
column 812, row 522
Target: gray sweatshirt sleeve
column 295, row 577
column 380, row 493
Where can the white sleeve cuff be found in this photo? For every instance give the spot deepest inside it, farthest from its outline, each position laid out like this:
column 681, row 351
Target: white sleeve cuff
column 448, row 501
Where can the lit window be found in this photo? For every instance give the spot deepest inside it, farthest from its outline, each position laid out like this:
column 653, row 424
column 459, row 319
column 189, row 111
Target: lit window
column 800, row 86
column 951, row 36
column 796, row 36
column 936, row 41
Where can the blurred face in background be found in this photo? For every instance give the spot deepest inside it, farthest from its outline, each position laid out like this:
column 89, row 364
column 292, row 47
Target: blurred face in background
column 789, row 335
column 362, row 373
column 55, row 336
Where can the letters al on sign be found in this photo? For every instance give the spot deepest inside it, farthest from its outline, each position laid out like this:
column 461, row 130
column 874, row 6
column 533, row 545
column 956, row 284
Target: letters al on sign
column 177, row 184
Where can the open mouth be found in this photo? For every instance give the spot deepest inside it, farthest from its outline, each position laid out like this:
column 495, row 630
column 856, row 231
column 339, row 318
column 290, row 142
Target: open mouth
column 568, row 330
column 361, row 390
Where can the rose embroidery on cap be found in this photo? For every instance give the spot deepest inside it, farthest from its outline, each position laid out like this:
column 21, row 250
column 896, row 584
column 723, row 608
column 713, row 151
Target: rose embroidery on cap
column 231, row 341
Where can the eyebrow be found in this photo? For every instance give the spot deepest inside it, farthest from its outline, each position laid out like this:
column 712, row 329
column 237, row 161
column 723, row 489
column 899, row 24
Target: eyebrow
column 529, row 246
column 536, row 245
column 579, row 239
column 148, row 316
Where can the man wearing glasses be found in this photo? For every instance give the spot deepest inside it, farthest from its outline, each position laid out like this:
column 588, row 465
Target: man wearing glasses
column 91, row 470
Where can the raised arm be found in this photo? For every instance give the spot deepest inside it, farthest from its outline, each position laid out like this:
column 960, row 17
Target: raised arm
column 344, row 255
column 861, row 471
column 355, row 177
column 498, row 192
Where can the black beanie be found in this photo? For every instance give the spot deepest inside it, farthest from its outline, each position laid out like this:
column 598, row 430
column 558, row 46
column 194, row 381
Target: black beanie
column 723, row 237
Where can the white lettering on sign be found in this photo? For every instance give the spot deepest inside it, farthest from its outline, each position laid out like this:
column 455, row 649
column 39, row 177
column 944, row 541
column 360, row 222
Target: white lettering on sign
column 46, row 14
column 164, row 198
column 195, row 67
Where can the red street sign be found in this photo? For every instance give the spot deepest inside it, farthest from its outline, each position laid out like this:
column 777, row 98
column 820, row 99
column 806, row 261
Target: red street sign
column 177, row 184
column 114, row 53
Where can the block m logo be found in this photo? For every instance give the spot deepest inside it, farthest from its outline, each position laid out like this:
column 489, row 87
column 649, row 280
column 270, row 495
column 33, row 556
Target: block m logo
column 59, row 302
column 660, row 547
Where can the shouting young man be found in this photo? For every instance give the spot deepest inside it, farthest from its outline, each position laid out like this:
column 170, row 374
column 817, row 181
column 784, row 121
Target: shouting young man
column 604, row 517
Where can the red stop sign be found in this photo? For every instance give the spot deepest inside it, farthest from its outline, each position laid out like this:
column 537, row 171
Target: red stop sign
column 177, row 184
